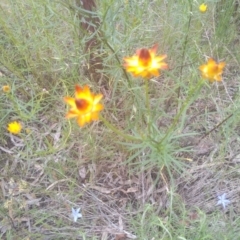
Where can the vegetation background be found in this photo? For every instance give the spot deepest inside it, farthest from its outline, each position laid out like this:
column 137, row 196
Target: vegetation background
column 163, row 186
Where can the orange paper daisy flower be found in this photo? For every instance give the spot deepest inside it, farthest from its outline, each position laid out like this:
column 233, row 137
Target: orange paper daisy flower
column 212, row 70
column 145, row 63
column 85, row 106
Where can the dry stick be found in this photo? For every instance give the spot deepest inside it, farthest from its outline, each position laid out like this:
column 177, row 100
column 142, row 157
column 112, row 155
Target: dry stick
column 91, row 25
column 217, row 126
column 89, row 5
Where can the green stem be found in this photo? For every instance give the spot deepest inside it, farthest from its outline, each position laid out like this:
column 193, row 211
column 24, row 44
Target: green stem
column 182, row 109
column 117, row 131
column 147, row 104
column 185, row 45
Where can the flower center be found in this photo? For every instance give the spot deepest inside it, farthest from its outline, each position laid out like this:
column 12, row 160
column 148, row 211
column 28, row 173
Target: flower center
column 82, row 104
column 145, row 58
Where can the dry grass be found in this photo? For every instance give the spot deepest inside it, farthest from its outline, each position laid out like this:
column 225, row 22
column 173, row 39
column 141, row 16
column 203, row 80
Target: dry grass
column 124, row 190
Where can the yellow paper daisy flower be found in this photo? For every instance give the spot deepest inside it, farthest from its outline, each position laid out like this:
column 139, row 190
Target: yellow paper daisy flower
column 145, row 63
column 212, row 70
column 85, row 106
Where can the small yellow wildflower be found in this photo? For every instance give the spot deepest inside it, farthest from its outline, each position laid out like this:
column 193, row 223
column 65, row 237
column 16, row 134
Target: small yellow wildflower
column 22, row 186
column 85, row 106
column 145, row 63
column 212, row 71
column 14, row 127
column 203, row 8
column 6, row 88
column 8, row 204
column 28, row 130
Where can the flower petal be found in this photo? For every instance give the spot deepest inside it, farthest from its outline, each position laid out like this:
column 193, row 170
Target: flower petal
column 70, row 101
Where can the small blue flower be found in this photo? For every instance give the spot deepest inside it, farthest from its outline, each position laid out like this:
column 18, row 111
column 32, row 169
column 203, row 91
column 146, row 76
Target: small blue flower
column 75, row 214
column 223, row 201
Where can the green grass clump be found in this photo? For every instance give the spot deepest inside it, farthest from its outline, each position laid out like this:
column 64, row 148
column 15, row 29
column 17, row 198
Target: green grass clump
column 164, row 149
